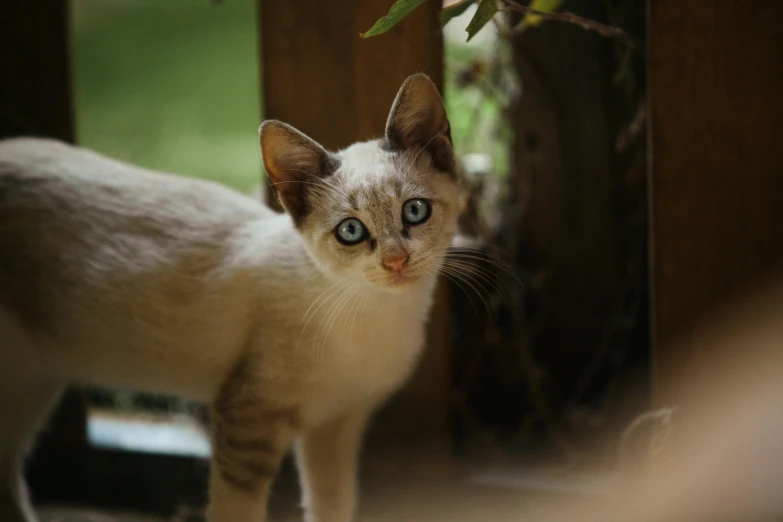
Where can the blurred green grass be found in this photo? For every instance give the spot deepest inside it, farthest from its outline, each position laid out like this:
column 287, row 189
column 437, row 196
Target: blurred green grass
column 171, row 85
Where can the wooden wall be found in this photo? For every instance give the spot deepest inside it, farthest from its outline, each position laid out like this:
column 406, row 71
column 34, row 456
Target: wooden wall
column 715, row 70
column 321, row 77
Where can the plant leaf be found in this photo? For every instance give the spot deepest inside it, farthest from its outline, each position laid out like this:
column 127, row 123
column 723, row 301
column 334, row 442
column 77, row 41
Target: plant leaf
column 454, row 10
column 484, row 13
column 399, row 10
column 545, row 6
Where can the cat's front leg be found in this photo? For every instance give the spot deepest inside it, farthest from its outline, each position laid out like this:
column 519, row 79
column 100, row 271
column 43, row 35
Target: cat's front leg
column 250, row 437
column 327, row 457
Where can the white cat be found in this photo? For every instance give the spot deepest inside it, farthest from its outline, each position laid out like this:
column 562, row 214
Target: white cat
column 294, row 327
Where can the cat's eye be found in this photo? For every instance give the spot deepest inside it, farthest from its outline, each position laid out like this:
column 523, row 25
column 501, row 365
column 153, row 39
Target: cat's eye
column 415, row 211
column 350, row 231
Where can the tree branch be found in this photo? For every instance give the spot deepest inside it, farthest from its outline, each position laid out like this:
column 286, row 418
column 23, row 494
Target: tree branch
column 570, row 18
column 634, row 129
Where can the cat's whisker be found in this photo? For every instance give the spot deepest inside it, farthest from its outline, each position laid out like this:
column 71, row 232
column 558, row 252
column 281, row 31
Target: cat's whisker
column 348, row 303
column 314, row 312
column 470, row 263
column 485, row 251
column 458, row 275
column 354, row 306
column 324, row 320
column 333, row 318
column 321, row 335
column 483, row 288
column 458, row 284
column 305, row 316
column 362, row 303
column 481, row 255
column 485, row 258
column 488, row 276
column 483, row 247
column 476, row 272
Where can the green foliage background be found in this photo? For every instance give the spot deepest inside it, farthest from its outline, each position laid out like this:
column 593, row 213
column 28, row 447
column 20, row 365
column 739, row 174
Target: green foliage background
column 170, row 85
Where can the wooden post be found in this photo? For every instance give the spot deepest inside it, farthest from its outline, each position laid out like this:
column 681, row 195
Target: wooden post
column 35, row 91
column 717, row 168
column 567, row 176
column 321, row 77
column 35, row 100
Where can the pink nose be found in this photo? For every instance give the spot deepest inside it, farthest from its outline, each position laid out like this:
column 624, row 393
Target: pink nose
column 395, row 261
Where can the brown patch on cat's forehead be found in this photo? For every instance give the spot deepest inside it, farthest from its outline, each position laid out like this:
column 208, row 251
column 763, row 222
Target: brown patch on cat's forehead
column 396, row 184
column 369, row 194
column 353, row 200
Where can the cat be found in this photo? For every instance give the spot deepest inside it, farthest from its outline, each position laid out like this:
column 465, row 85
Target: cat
column 295, row 327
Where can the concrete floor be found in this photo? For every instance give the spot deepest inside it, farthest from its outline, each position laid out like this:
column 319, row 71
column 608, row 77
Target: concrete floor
column 423, row 493
column 412, row 485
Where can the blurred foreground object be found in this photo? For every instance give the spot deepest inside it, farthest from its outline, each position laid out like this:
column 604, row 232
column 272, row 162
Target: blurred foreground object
column 723, row 457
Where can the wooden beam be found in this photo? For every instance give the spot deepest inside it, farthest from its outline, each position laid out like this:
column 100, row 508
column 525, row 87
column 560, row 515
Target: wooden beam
column 35, row 91
column 321, row 77
column 36, row 100
column 717, row 168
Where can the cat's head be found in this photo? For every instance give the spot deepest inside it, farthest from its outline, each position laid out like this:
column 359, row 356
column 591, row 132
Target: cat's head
column 384, row 211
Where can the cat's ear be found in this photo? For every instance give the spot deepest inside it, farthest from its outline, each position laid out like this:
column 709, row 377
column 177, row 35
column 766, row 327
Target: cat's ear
column 418, row 120
column 293, row 162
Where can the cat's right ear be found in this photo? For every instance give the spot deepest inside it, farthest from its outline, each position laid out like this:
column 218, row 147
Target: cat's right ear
column 293, row 162
column 418, row 121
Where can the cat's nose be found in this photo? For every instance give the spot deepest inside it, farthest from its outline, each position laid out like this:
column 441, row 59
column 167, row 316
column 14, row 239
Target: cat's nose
column 395, row 261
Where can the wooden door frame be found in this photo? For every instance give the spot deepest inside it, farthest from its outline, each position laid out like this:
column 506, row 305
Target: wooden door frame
column 716, row 176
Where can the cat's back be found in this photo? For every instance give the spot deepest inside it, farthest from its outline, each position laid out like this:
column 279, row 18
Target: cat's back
column 83, row 233
column 38, row 173
column 77, row 209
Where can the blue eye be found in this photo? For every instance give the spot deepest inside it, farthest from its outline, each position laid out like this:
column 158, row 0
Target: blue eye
column 415, row 211
column 350, row 231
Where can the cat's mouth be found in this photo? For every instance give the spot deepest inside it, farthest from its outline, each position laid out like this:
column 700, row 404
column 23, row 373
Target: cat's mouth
column 399, row 279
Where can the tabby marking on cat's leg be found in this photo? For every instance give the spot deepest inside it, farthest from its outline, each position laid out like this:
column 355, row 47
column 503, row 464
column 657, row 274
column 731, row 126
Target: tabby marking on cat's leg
column 327, row 458
column 250, row 439
column 247, row 451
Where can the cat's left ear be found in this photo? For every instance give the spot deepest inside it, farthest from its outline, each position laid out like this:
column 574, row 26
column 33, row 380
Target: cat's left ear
column 294, row 163
column 418, row 120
